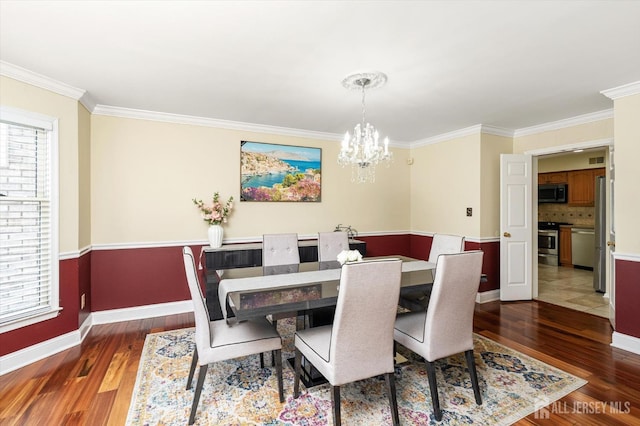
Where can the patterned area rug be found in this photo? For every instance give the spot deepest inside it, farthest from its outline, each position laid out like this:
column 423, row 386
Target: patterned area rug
column 513, row 386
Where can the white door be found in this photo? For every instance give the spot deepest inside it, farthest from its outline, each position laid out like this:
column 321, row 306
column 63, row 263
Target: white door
column 516, row 227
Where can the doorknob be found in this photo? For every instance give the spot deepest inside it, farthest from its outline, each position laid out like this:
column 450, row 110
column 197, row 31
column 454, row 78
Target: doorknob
column 506, row 234
column 611, row 243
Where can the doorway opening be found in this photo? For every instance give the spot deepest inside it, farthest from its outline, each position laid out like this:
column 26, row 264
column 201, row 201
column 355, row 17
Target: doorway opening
column 567, row 229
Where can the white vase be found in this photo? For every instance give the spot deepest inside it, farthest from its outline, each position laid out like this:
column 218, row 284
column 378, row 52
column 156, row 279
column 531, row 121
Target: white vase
column 215, row 234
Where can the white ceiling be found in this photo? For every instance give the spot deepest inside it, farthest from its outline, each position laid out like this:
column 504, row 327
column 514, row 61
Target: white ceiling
column 450, row 64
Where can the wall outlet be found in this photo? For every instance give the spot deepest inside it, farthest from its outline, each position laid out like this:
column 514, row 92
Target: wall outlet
column 469, row 211
column 82, row 301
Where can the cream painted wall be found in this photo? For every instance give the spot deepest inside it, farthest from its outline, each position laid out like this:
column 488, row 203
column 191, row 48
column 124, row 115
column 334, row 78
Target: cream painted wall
column 84, row 177
column 596, row 130
column 627, row 174
column 23, row 96
column 440, row 170
column 145, row 173
column 491, row 148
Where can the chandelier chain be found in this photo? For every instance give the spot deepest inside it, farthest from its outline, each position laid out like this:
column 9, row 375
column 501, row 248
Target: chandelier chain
column 363, row 82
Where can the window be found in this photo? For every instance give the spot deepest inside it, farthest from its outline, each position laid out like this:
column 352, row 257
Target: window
column 28, row 219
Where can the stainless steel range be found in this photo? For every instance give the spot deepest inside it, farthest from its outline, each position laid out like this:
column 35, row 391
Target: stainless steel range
column 548, row 241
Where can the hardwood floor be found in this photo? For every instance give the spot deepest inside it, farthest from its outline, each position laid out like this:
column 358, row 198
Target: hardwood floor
column 92, row 384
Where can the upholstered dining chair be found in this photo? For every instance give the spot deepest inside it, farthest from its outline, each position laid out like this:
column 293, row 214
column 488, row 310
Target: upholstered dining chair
column 280, row 255
column 359, row 343
column 440, row 244
column 280, row 249
column 446, row 328
column 219, row 341
column 330, row 244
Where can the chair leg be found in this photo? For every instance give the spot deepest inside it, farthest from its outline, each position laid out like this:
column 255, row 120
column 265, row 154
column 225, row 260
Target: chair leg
column 275, row 325
column 474, row 375
column 192, row 370
column 433, row 387
column 297, row 373
column 335, row 398
column 261, row 360
column 202, row 374
column 393, row 402
column 278, row 357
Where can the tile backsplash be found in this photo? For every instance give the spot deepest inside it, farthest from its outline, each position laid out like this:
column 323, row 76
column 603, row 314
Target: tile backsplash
column 582, row 216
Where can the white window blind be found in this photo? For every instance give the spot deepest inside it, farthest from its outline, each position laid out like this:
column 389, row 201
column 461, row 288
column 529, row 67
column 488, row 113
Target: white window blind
column 28, row 240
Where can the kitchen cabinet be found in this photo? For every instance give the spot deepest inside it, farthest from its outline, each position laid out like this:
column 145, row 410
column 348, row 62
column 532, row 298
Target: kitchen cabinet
column 565, row 246
column 552, row 177
column 582, row 186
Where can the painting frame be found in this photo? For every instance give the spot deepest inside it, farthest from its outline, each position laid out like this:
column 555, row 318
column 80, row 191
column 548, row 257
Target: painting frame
column 272, row 172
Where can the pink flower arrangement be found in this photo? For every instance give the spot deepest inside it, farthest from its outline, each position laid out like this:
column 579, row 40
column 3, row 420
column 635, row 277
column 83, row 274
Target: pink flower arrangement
column 216, row 213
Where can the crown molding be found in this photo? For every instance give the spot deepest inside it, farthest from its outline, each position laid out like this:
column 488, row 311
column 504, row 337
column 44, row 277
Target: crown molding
column 497, row 131
column 82, row 96
column 88, row 102
column 460, row 133
column 567, row 122
column 467, row 131
column 47, row 83
column 211, row 122
column 622, row 91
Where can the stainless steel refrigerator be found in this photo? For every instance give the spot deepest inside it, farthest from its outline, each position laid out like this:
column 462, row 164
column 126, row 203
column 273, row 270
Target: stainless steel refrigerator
column 599, row 261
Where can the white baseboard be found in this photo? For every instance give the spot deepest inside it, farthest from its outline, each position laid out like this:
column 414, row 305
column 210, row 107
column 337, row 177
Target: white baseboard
column 141, row 312
column 626, row 342
column 85, row 327
column 41, row 350
column 488, row 296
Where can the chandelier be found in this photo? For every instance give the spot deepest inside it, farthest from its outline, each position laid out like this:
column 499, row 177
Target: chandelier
column 362, row 150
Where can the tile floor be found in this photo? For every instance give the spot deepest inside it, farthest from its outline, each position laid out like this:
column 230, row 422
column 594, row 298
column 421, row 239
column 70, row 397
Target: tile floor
column 572, row 288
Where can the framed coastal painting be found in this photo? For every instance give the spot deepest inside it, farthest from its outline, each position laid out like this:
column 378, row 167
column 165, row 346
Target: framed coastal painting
column 273, row 172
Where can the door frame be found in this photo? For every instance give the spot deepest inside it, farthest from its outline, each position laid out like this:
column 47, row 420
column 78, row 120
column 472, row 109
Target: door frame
column 607, row 143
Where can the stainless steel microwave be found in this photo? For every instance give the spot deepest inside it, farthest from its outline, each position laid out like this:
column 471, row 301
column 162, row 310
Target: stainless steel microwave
column 552, row 193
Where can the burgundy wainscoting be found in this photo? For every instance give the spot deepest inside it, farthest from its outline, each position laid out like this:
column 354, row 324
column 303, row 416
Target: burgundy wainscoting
column 127, row 278
column 385, row 245
column 490, row 263
column 65, row 322
column 421, row 247
column 627, row 297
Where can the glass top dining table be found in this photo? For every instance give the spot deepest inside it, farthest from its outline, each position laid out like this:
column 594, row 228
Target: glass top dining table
column 259, row 291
